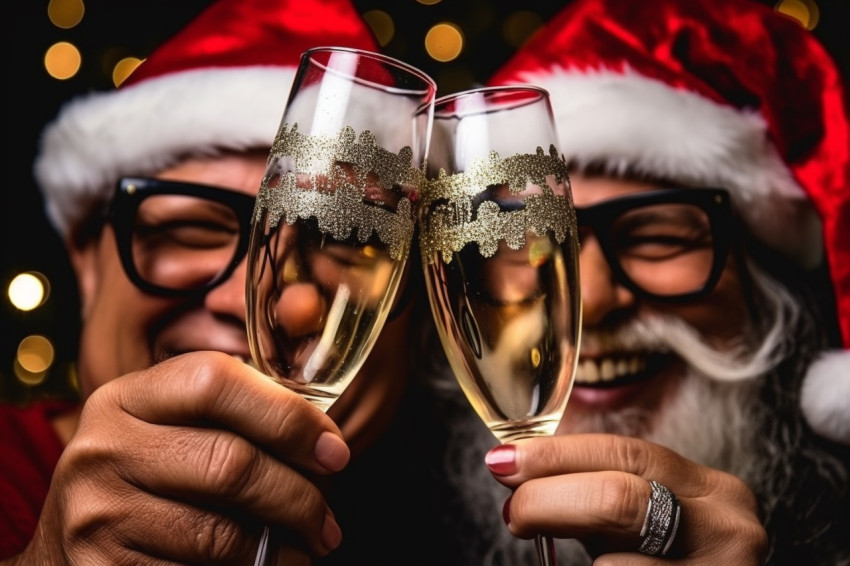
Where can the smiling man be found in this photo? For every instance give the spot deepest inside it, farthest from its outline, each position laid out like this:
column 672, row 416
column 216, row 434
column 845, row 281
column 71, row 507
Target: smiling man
column 711, row 185
column 705, row 205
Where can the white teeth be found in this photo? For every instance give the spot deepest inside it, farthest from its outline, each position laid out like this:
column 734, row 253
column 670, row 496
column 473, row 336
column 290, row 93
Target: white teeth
column 587, row 372
column 638, row 364
column 608, row 369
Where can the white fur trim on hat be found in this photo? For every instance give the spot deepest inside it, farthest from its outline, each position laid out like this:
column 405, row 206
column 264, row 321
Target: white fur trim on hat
column 825, row 396
column 143, row 128
column 625, row 120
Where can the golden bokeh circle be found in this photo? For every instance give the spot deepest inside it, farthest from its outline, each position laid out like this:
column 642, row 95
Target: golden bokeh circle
column 444, row 42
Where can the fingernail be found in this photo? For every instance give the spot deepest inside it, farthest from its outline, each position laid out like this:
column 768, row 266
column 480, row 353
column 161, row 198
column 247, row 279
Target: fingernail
column 506, row 511
column 332, row 452
column 331, row 534
column 501, row 460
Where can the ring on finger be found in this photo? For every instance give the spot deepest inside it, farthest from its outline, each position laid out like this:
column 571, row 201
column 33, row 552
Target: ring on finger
column 663, row 513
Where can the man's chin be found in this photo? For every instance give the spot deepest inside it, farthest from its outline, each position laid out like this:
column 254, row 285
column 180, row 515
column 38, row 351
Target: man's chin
column 707, row 421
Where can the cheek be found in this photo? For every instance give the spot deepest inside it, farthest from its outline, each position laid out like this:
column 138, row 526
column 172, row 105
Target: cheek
column 722, row 316
column 117, row 322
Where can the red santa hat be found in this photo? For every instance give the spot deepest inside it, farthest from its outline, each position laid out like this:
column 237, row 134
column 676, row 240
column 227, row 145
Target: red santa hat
column 714, row 93
column 222, row 82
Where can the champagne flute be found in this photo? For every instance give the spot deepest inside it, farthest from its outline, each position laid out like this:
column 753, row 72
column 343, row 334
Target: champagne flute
column 499, row 247
column 334, row 218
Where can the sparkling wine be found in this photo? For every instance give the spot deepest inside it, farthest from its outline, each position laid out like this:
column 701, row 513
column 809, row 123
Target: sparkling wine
column 318, row 306
column 334, row 219
column 498, row 237
column 509, row 326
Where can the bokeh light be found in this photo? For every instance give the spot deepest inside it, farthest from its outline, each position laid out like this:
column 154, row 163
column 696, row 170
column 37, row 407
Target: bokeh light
column 444, row 42
column 34, row 358
column 62, row 60
column 382, row 26
column 28, row 291
column 429, row 2
column 123, row 68
column 804, row 11
column 520, row 25
column 65, row 14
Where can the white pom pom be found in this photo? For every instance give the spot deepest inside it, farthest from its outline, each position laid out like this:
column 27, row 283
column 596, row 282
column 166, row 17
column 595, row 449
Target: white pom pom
column 825, row 396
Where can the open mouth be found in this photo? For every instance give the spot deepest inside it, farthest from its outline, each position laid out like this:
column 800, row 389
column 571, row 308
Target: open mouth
column 619, row 369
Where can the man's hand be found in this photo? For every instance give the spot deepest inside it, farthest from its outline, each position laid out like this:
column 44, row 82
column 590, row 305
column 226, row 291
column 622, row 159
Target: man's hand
column 186, row 462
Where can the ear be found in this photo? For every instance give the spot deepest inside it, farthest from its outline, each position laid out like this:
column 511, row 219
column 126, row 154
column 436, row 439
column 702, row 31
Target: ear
column 85, row 261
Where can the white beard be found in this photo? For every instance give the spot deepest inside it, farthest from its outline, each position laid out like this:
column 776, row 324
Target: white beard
column 710, row 417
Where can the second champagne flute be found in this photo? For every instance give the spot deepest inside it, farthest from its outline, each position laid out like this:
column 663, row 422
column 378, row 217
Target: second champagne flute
column 334, row 219
column 499, row 248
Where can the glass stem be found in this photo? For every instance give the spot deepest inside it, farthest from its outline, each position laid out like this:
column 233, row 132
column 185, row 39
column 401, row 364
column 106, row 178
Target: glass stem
column 262, row 549
column 545, row 551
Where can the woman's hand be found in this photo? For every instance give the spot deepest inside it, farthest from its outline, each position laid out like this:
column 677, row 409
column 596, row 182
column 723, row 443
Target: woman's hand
column 186, row 462
column 595, row 488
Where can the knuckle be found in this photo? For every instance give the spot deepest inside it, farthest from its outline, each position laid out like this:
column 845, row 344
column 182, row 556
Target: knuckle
column 220, row 540
column 89, row 450
column 286, row 417
column 746, row 541
column 619, row 501
column 99, row 400
column 88, row 519
column 231, row 465
column 309, row 504
column 749, row 532
column 733, row 490
column 761, row 544
column 633, row 455
column 742, row 493
column 205, row 384
column 758, row 538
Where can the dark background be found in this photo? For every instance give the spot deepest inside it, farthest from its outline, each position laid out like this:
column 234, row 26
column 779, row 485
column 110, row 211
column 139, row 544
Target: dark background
column 113, row 29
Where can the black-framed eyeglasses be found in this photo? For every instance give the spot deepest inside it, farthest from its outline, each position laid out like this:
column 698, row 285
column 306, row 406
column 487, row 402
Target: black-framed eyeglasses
column 179, row 239
column 664, row 245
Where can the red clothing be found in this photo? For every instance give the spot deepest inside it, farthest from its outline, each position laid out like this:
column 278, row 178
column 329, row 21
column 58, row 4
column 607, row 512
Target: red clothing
column 29, row 451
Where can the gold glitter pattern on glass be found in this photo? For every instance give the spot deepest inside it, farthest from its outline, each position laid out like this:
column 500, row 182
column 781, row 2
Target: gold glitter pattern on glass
column 342, row 182
column 449, row 221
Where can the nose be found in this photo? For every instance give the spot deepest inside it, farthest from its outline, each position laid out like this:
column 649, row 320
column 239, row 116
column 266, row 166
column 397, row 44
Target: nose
column 300, row 309
column 601, row 294
column 228, row 298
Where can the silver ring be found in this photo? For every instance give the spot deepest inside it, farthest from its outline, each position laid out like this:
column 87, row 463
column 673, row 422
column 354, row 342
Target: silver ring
column 661, row 523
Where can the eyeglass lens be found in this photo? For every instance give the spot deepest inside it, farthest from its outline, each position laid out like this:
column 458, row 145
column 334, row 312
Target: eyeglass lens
column 666, row 249
column 183, row 242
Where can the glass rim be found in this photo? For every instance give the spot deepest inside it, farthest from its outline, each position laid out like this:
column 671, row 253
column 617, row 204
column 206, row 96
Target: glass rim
column 381, row 57
column 538, row 92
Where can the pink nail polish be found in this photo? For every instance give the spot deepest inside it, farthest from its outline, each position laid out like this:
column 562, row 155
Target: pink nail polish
column 501, row 460
column 506, row 511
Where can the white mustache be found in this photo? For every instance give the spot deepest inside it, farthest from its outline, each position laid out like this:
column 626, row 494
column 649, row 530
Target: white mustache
column 662, row 334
